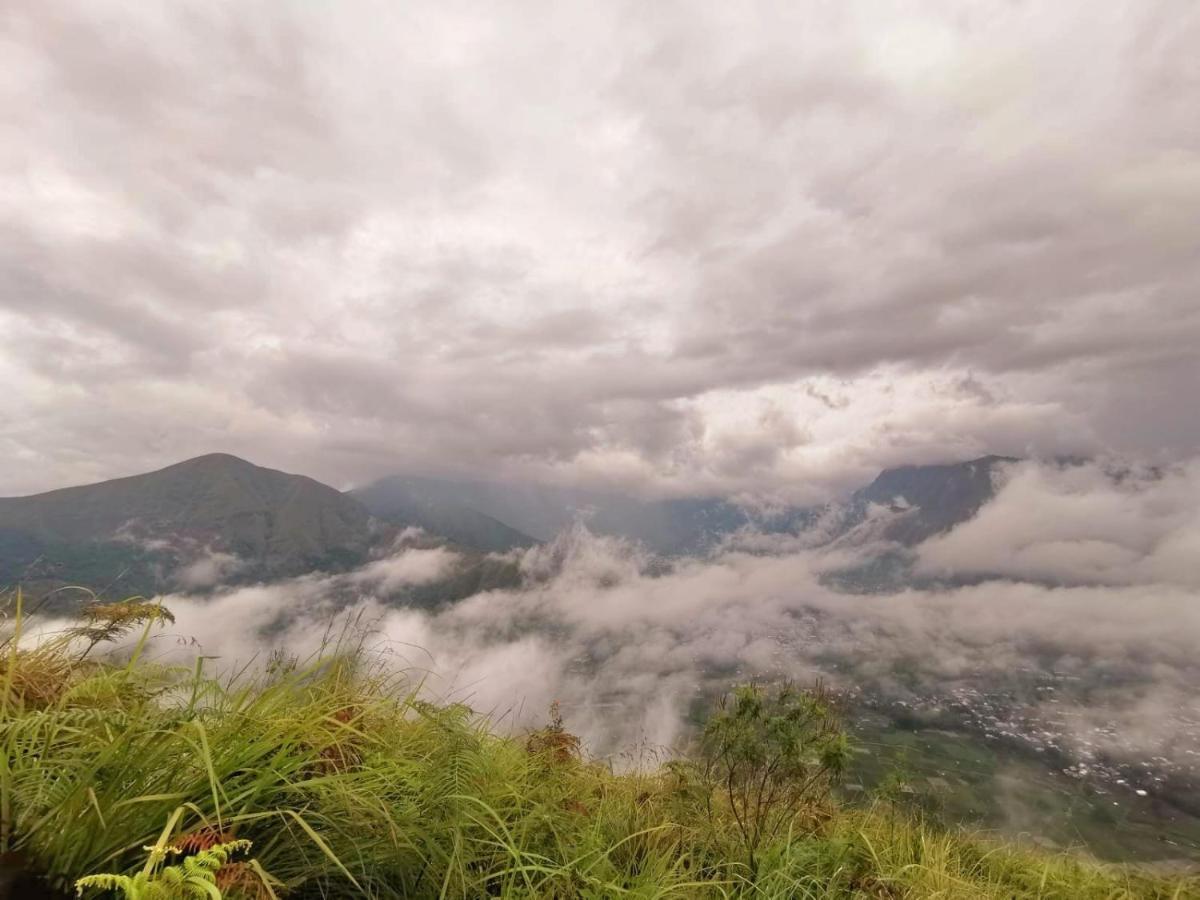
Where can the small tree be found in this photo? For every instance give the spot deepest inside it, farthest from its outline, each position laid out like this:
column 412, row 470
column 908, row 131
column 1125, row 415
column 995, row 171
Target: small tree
column 771, row 755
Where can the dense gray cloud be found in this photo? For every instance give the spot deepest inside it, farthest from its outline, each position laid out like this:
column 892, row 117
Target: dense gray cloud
column 687, row 248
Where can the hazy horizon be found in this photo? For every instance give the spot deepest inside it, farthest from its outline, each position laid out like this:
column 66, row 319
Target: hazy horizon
column 457, row 476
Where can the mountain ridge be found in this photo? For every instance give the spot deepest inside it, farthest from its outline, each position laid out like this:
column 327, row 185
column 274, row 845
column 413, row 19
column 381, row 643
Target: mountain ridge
column 937, row 497
column 237, row 520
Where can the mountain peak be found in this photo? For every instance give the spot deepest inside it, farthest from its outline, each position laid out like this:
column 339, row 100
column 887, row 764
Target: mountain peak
column 215, row 458
column 273, row 522
column 942, row 495
column 984, row 462
column 213, row 462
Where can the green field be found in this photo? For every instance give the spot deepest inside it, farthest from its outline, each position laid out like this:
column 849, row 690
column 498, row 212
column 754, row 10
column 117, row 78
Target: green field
column 963, row 778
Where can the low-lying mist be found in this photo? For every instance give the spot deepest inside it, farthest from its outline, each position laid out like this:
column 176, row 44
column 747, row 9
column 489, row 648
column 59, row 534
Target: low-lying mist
column 1072, row 601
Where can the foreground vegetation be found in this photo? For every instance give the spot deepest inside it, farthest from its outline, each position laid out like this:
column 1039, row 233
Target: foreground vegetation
column 334, row 779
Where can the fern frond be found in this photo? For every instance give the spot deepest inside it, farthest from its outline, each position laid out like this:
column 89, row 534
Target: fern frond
column 195, row 876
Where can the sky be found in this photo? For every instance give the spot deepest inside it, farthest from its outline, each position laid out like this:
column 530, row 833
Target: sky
column 675, row 248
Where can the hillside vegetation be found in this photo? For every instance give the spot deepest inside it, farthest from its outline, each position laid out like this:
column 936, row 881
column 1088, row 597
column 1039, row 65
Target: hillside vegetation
column 139, row 532
column 333, row 778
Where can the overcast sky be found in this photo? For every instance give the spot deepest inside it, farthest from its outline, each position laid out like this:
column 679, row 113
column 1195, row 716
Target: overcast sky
column 680, row 247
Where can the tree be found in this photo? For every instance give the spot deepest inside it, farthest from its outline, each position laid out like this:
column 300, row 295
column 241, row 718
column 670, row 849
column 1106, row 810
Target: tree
column 771, row 756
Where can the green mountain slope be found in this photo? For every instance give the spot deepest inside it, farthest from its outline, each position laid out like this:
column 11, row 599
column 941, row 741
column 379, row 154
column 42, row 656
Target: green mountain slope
column 145, row 529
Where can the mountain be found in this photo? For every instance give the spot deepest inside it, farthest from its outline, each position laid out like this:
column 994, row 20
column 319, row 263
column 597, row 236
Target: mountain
column 928, row 500
column 427, row 504
column 905, row 504
column 901, row 508
column 214, row 515
column 220, row 519
column 499, row 516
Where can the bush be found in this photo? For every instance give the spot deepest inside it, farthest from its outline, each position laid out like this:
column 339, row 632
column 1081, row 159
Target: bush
column 769, row 758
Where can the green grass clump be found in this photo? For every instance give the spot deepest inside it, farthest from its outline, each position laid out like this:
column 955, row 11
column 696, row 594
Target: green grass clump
column 335, row 779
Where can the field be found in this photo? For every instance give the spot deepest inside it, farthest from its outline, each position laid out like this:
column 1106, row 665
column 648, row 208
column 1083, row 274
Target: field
column 962, row 778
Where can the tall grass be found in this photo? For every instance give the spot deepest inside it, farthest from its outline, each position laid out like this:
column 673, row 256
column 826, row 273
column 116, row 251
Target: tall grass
column 347, row 784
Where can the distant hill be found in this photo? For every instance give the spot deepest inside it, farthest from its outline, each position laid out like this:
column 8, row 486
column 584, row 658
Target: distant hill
column 198, row 518
column 427, row 504
column 916, row 502
column 929, row 500
column 218, row 518
column 500, row 515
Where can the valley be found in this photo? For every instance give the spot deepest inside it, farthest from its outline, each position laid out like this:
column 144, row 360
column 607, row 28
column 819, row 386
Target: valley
column 1038, row 744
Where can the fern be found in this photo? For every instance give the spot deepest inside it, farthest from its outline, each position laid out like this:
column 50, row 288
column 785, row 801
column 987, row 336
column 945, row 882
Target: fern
column 194, row 876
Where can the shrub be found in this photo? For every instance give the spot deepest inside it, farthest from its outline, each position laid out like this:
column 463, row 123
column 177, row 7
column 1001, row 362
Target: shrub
column 770, row 757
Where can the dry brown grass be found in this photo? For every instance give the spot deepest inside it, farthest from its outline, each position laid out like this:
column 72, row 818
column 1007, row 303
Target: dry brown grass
column 34, row 679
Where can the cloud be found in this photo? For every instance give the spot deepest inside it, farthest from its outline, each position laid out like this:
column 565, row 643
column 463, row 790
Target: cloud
column 212, row 567
column 725, row 248
column 1089, row 526
column 412, row 567
column 1100, row 665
